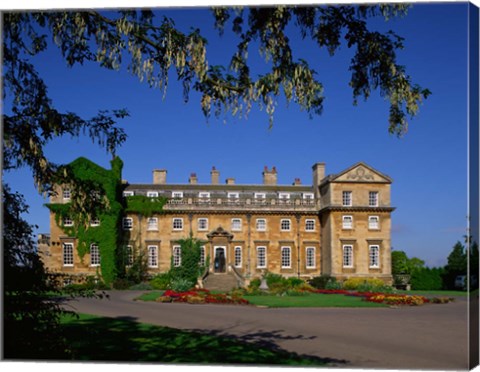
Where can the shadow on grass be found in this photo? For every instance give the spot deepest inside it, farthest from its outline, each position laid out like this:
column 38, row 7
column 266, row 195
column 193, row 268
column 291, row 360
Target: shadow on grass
column 124, row 339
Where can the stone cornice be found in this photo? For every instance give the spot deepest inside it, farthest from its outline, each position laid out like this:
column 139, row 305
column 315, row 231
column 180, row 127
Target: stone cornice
column 357, row 209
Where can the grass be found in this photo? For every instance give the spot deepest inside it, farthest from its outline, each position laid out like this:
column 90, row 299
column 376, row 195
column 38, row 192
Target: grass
column 150, row 296
column 122, row 339
column 306, row 300
column 311, row 300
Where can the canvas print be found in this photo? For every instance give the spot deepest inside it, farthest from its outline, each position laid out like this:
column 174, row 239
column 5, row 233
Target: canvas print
column 253, row 185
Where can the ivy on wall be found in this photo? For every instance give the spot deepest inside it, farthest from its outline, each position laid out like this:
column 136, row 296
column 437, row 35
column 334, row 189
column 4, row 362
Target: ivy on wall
column 145, row 206
column 106, row 184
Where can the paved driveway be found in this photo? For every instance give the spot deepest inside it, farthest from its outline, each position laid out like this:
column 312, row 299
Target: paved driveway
column 425, row 337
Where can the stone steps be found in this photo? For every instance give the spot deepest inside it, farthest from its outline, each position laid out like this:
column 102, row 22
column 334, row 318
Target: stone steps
column 220, row 282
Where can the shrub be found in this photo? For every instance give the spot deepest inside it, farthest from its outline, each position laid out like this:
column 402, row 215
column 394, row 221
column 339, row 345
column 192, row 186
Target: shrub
column 138, row 271
column 121, row 283
column 161, row 281
column 254, row 284
column 181, row 285
column 293, row 282
column 427, row 279
column 364, row 284
column 334, row 285
column 321, row 282
column 274, row 279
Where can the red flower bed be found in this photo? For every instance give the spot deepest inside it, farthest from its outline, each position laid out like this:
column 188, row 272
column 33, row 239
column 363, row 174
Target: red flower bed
column 390, row 299
column 204, row 296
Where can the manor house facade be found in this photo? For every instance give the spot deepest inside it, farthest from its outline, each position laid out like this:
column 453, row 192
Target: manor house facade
column 339, row 225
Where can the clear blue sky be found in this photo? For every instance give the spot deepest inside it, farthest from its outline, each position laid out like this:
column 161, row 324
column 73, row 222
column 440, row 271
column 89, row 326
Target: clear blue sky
column 428, row 165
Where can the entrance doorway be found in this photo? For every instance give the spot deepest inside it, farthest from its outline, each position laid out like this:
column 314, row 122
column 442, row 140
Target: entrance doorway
column 219, row 263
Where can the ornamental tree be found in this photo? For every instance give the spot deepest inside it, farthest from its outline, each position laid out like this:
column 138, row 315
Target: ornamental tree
column 155, row 48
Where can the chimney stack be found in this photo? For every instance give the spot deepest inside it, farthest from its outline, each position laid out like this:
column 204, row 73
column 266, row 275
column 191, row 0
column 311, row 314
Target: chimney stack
column 297, row 182
column 215, row 174
column 193, row 179
column 159, row 176
column 230, row 181
column 318, row 173
column 269, row 177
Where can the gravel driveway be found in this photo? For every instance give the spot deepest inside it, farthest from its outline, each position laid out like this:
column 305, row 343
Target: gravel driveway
column 425, row 337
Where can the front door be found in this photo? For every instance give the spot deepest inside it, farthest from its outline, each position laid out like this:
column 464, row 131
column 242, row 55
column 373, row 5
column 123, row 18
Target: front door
column 219, row 263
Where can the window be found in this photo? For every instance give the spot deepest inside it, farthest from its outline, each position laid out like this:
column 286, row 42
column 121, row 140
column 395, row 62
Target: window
column 202, row 255
column 94, row 255
column 285, row 225
column 67, row 221
column 347, row 222
column 238, row 257
column 347, row 256
column 177, row 256
column 284, row 197
column 152, row 256
column 309, row 225
column 152, row 224
column 128, row 193
column 127, row 223
column 261, row 224
column 347, row 198
column 177, row 194
column 67, row 194
column 261, row 257
column 286, row 258
column 374, row 255
column 177, row 223
column 310, row 257
column 236, row 224
column 152, row 194
column 204, row 196
column 128, row 255
column 203, row 224
column 373, row 199
column 260, row 198
column 233, row 196
column 67, row 254
column 373, row 222
column 95, row 222
column 308, row 195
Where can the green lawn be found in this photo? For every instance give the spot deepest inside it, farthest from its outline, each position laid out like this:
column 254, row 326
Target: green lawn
column 307, row 300
column 118, row 339
column 311, row 300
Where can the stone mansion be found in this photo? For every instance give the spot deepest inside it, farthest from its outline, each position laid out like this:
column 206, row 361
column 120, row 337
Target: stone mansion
column 339, row 225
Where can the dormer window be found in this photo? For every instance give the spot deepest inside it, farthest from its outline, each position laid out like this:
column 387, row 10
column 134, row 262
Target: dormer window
column 177, row 194
column 308, row 195
column 128, row 193
column 152, row 194
column 233, row 195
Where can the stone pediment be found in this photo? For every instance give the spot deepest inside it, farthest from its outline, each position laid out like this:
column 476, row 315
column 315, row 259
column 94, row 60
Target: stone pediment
column 220, row 233
column 361, row 172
